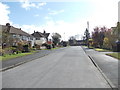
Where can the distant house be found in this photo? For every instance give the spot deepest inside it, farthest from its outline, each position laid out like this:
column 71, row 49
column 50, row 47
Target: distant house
column 15, row 35
column 40, row 38
column 72, row 42
column 79, row 42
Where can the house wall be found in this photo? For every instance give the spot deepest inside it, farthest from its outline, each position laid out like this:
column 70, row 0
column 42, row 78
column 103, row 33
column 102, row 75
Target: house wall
column 41, row 41
column 32, row 42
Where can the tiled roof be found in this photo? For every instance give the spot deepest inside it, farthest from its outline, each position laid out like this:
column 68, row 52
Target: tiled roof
column 46, row 34
column 39, row 34
column 14, row 30
column 17, row 31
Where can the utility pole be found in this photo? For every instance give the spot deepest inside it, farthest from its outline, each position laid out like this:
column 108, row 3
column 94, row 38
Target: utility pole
column 87, row 34
column 64, row 36
column 88, row 26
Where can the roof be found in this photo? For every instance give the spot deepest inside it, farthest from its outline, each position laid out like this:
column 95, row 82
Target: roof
column 46, row 34
column 39, row 34
column 14, row 30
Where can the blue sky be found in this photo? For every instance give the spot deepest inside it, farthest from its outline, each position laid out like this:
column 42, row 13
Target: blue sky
column 70, row 11
column 66, row 18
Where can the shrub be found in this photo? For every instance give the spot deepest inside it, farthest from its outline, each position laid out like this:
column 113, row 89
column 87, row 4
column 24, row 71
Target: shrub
column 2, row 52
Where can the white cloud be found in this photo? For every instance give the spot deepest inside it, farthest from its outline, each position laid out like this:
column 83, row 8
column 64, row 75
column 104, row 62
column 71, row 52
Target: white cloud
column 28, row 5
column 48, row 18
column 4, row 14
column 52, row 12
column 30, row 28
column 36, row 15
column 64, row 28
column 42, row 4
column 105, row 14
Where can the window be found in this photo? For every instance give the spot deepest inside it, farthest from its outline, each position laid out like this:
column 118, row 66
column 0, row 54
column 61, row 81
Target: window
column 37, row 38
column 14, row 36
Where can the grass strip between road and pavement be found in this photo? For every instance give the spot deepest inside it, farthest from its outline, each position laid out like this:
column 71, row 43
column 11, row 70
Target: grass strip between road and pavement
column 115, row 55
column 101, row 50
column 12, row 56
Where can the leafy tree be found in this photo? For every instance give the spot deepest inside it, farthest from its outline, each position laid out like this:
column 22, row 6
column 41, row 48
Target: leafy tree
column 98, row 36
column 72, row 40
column 109, row 40
column 56, row 38
column 87, row 36
column 106, row 42
column 6, row 36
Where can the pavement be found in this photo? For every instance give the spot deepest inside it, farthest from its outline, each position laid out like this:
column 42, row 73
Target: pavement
column 67, row 68
column 107, row 64
column 6, row 64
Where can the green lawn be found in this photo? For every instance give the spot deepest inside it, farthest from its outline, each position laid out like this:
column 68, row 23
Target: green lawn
column 101, row 50
column 56, row 48
column 90, row 47
column 7, row 57
column 115, row 55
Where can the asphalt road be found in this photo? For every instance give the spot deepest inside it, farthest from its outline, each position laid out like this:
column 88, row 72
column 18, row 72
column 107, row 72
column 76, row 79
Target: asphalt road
column 68, row 68
column 107, row 64
column 40, row 53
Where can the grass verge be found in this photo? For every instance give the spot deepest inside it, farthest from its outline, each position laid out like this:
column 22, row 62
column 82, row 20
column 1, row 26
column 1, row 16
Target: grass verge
column 101, row 50
column 115, row 55
column 56, row 48
column 7, row 57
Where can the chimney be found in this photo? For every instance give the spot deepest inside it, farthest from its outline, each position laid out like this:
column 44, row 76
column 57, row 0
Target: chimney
column 44, row 31
column 7, row 24
column 8, row 27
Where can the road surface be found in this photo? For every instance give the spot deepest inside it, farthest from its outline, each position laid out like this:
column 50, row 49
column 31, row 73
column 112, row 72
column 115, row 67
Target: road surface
column 40, row 53
column 68, row 68
column 107, row 64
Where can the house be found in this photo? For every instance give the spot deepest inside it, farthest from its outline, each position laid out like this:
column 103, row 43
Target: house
column 46, row 35
column 116, row 30
column 79, row 42
column 40, row 38
column 116, row 33
column 12, row 36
